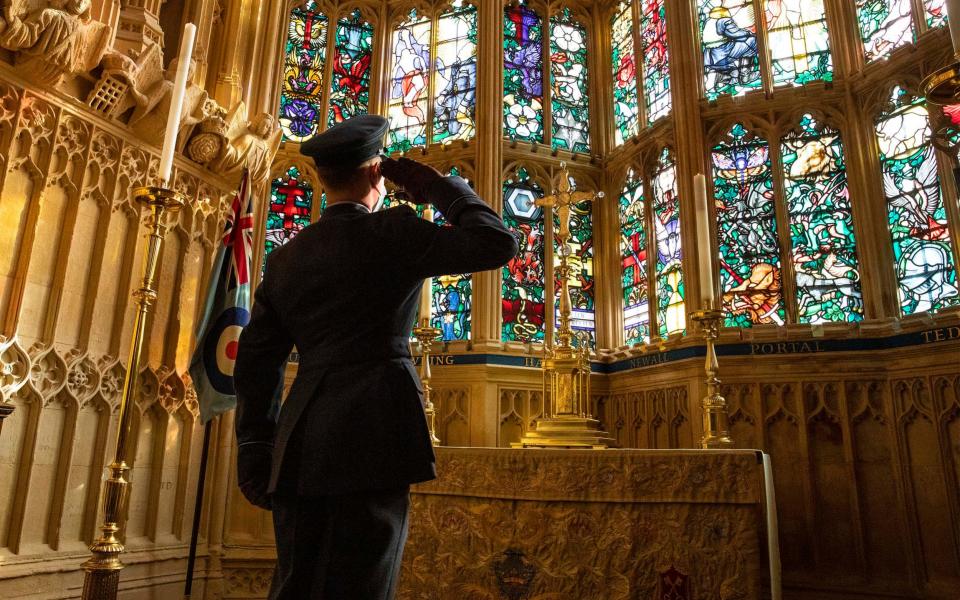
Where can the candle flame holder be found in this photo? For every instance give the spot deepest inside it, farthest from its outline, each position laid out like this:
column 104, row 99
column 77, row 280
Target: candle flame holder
column 716, row 427
column 425, row 334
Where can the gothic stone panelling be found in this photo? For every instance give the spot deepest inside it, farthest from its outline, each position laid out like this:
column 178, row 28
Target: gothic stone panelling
column 69, row 258
column 519, row 409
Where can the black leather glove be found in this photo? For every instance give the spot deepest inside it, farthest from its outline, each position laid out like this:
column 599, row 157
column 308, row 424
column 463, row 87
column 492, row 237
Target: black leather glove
column 254, row 462
column 416, row 178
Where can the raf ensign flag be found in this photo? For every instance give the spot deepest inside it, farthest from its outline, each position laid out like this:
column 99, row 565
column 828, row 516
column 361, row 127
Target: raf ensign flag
column 227, row 311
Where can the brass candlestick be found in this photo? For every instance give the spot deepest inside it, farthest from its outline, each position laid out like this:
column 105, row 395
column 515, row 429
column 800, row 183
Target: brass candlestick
column 426, row 334
column 567, row 422
column 103, row 567
column 716, row 428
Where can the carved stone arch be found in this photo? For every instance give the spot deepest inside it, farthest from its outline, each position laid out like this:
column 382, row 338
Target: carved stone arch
column 878, row 99
column 581, row 177
column 15, row 368
column 651, row 158
column 369, row 11
column 48, row 372
column 788, row 121
column 579, row 10
column 757, row 127
column 946, row 394
column 83, row 379
column 149, row 391
column 400, row 10
column 171, row 391
column 536, row 173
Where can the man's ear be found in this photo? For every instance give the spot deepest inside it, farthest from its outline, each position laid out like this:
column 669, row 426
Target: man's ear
column 375, row 174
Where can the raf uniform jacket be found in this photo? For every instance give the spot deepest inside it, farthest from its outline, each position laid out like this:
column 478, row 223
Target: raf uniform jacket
column 345, row 293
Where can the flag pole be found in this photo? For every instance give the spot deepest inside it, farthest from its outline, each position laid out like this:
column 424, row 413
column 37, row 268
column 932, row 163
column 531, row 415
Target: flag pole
column 198, row 507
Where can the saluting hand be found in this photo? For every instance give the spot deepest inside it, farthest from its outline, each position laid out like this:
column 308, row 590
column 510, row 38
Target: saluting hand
column 415, row 177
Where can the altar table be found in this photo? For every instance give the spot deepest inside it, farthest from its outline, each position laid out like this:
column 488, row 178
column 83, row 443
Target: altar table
column 538, row 524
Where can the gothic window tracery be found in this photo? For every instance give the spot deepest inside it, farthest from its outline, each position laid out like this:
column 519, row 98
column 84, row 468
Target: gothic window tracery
column 290, row 208
column 886, row 25
column 523, row 285
column 633, row 261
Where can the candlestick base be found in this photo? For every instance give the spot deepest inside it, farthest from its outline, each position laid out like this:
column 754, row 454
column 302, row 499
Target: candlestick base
column 716, row 427
column 426, row 334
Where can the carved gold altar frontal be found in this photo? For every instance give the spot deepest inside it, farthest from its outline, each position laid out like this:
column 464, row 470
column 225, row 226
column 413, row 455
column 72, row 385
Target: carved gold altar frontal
column 577, row 524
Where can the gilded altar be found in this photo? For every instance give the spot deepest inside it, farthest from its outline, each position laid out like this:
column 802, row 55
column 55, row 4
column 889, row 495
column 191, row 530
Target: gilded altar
column 551, row 524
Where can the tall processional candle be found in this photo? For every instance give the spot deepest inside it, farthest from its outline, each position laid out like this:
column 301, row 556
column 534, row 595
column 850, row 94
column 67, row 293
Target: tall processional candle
column 427, row 289
column 704, row 264
column 176, row 103
column 953, row 20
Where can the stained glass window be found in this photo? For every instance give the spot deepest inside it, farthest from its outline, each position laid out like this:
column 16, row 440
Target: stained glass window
column 626, row 102
column 671, row 315
column 633, row 256
column 523, row 74
column 455, row 78
column 581, row 286
column 408, row 84
column 304, row 57
column 823, row 249
column 350, row 85
column 291, row 202
column 798, row 41
column 885, row 25
column 656, row 61
column 728, row 36
column 523, row 276
column 936, row 12
column 569, row 105
column 925, row 267
column 750, row 273
column 452, row 298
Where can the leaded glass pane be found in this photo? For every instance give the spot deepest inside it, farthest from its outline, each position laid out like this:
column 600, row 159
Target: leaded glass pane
column 823, row 250
column 523, row 276
column 728, row 37
column 633, row 256
column 671, row 315
column 302, row 87
column 451, row 297
column 750, row 273
column 626, row 102
column 569, row 106
column 656, row 59
column 885, row 25
column 350, row 85
column 926, row 272
column 582, row 292
column 455, row 78
column 936, row 12
column 798, row 41
column 522, row 74
column 291, row 202
column 407, row 108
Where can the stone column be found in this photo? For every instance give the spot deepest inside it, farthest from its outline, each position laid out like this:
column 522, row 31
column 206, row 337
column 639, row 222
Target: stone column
column 489, row 144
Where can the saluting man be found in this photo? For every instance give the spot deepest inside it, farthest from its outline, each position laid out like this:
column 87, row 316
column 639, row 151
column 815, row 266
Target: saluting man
column 352, row 436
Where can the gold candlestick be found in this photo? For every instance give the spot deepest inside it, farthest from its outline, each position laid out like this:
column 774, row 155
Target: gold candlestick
column 103, row 567
column 426, row 334
column 716, row 429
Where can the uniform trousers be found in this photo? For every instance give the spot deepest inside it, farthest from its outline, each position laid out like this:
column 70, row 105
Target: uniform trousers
column 339, row 547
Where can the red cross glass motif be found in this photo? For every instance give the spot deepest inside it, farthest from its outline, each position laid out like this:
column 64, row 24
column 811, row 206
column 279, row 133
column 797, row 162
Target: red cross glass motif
column 290, row 192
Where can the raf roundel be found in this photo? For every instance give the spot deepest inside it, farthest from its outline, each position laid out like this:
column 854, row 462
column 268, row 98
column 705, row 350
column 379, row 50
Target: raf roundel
column 220, row 348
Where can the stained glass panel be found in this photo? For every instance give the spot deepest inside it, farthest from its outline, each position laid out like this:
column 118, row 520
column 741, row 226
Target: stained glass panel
column 926, row 271
column 823, row 250
column 523, row 276
column 728, row 37
column 633, row 255
column 581, row 287
column 569, row 105
column 407, row 108
column 456, row 75
column 291, row 202
column 656, row 60
column 671, row 315
column 884, row 26
column 626, row 101
column 750, row 273
column 798, row 41
column 350, row 86
column 936, row 12
column 452, row 298
column 302, row 87
column 522, row 74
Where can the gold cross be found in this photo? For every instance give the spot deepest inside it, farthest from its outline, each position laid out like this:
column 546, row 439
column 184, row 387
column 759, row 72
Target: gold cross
column 562, row 199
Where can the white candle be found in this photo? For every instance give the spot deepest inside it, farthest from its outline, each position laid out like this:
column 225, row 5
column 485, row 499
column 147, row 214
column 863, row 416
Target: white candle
column 426, row 304
column 773, row 536
column 704, row 264
column 176, row 103
column 953, row 20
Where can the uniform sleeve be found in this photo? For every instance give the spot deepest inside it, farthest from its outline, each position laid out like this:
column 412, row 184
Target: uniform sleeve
column 476, row 241
column 263, row 350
